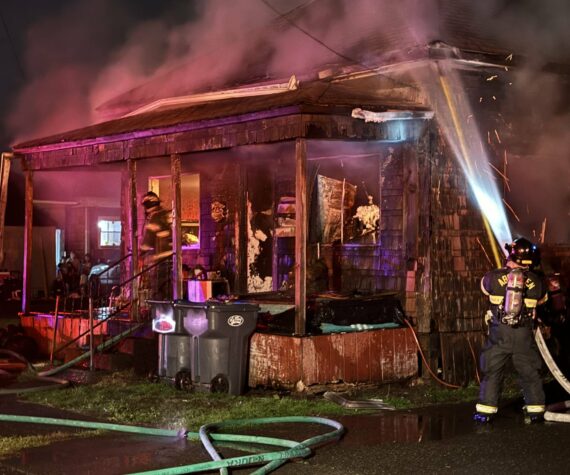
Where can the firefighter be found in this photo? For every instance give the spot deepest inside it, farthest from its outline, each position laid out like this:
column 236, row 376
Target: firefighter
column 157, row 243
column 514, row 291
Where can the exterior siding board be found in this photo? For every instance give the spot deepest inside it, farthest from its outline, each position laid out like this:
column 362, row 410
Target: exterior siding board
column 359, row 357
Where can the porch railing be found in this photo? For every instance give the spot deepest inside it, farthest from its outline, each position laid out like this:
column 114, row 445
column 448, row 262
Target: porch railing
column 108, row 302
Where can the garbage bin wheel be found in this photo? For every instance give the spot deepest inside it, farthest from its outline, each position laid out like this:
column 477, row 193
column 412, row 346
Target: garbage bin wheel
column 183, row 381
column 153, row 377
column 220, row 384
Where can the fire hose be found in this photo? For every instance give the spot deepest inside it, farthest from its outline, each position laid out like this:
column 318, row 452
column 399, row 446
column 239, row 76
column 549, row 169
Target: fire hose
column 47, row 376
column 55, row 382
column 552, row 411
column 209, row 438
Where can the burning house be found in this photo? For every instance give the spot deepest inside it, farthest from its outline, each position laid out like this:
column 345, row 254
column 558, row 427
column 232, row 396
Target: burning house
column 337, row 201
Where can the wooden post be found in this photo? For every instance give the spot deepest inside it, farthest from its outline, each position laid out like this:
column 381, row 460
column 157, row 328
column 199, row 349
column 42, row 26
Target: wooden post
column 240, row 284
column 56, row 319
column 28, row 224
column 87, row 232
column 176, row 228
column 91, row 337
column 300, row 236
column 133, row 234
column 5, row 163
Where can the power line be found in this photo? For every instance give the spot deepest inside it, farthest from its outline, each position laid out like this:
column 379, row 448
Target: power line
column 11, row 43
column 285, row 17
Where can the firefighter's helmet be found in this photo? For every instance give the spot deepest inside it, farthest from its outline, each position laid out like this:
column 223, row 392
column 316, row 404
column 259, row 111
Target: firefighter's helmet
column 150, row 200
column 523, row 252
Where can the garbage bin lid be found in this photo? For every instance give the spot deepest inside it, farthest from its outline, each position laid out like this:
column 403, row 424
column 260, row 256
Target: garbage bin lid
column 234, row 306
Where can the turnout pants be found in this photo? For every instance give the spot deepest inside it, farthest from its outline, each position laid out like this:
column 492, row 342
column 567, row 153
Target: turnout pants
column 510, row 343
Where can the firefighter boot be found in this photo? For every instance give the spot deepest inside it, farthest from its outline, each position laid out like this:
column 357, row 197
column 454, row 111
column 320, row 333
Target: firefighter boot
column 533, row 414
column 533, row 417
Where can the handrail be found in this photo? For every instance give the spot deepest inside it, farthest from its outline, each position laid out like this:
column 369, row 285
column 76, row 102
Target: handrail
column 118, row 309
column 113, row 265
column 86, row 332
column 137, row 275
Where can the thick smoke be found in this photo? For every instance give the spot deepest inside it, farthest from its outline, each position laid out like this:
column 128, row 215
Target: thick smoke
column 79, row 60
column 90, row 53
column 539, row 105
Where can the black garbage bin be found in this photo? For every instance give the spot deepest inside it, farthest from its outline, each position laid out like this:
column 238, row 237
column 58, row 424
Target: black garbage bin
column 204, row 345
column 220, row 334
column 176, row 348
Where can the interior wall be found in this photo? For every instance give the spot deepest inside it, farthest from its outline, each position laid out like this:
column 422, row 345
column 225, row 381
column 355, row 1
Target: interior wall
column 362, row 262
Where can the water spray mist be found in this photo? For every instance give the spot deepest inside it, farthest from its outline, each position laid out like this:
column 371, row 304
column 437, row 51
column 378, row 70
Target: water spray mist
column 452, row 110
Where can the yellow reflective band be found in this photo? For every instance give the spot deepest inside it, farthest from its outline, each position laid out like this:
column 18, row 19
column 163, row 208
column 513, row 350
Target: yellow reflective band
column 484, row 409
column 530, row 303
column 496, row 299
column 534, row 409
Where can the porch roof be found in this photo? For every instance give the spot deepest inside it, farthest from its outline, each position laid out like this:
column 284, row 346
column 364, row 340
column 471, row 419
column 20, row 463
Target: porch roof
column 375, row 92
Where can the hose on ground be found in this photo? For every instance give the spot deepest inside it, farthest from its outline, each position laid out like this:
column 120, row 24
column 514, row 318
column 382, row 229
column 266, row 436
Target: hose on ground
column 47, row 376
column 55, row 382
column 433, row 375
column 210, row 438
column 552, row 412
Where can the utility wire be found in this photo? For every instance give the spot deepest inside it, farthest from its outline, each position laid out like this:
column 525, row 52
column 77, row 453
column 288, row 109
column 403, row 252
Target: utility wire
column 11, row 43
column 285, row 17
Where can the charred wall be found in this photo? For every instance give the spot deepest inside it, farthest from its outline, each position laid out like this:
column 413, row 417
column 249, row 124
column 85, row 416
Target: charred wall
column 459, row 256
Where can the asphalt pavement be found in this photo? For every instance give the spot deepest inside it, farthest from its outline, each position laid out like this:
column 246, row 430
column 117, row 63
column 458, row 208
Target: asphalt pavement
column 435, row 440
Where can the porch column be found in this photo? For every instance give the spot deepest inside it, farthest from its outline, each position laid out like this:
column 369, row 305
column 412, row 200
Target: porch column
column 28, row 213
column 300, row 236
column 5, row 163
column 132, row 208
column 176, row 228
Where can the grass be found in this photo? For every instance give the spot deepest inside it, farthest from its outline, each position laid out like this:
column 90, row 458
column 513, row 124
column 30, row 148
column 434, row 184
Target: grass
column 123, row 398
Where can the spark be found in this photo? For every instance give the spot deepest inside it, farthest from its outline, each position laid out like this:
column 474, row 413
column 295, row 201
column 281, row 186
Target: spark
column 494, row 76
column 481, row 99
column 511, row 210
column 509, row 57
column 543, row 231
column 485, row 252
column 502, row 174
column 494, row 98
column 497, row 135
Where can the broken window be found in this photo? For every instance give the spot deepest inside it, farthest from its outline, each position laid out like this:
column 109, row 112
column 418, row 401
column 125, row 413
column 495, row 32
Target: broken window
column 345, row 197
column 189, row 205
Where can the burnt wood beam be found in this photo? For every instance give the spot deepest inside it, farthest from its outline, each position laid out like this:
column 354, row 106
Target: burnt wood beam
column 28, row 227
column 133, row 236
column 4, row 176
column 240, row 282
column 275, row 129
column 176, row 228
column 301, row 217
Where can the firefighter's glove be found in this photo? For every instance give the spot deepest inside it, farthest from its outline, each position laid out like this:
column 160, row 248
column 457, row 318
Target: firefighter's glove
column 488, row 317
